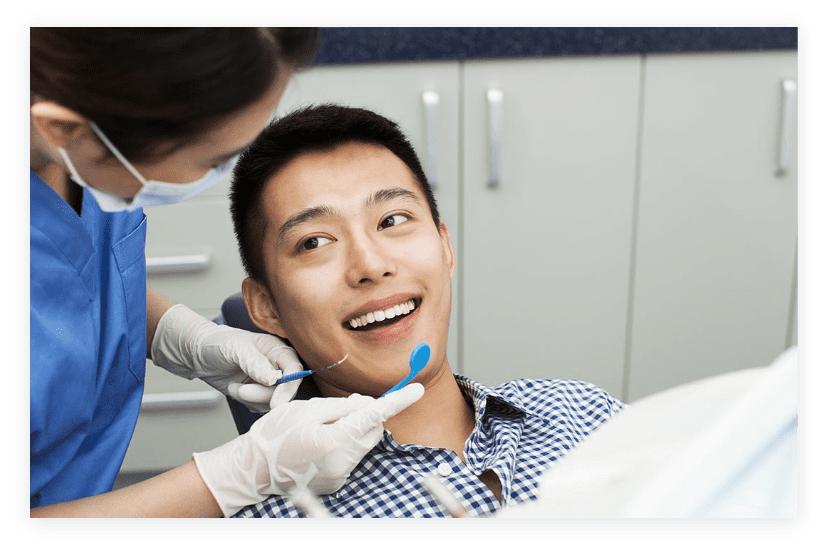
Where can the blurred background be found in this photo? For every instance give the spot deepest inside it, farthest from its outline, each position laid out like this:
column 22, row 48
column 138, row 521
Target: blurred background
column 622, row 203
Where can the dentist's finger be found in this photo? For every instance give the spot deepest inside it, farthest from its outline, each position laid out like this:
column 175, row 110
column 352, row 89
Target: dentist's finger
column 284, row 392
column 283, row 357
column 245, row 351
column 255, row 393
column 234, row 390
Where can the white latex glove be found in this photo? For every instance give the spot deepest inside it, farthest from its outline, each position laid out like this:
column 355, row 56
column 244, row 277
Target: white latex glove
column 263, row 397
column 191, row 346
column 326, row 435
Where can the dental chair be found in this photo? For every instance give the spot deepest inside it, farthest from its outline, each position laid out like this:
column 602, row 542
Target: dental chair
column 234, row 314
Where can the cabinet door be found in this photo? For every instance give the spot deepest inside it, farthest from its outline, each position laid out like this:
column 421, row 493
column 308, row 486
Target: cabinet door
column 191, row 258
column 396, row 91
column 192, row 255
column 716, row 243
column 545, row 256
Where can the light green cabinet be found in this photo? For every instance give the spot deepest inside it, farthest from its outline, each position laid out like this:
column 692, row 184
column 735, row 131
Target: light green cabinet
column 639, row 235
column 715, row 262
column 545, row 255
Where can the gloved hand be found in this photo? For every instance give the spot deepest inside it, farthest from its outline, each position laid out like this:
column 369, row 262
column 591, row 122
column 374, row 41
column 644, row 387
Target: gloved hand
column 262, row 398
column 191, row 346
column 326, row 435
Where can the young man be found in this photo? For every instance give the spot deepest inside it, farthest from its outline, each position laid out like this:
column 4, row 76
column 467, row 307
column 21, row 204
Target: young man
column 340, row 235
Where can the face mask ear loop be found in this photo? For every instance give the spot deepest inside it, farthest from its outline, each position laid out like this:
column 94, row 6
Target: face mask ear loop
column 117, row 153
column 71, row 167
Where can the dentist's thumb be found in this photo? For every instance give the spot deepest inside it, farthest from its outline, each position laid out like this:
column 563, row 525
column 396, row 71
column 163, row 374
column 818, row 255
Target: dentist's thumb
column 389, row 406
column 368, row 420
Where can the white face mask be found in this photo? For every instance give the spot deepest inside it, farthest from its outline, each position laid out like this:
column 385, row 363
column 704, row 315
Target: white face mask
column 152, row 193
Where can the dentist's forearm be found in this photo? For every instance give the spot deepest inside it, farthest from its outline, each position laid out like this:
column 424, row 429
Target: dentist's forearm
column 180, row 492
column 157, row 305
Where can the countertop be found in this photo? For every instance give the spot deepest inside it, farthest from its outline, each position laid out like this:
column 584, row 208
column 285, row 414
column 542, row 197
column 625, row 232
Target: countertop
column 348, row 45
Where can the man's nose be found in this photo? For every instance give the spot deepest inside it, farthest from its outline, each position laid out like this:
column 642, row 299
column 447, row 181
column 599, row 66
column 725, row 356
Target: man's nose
column 369, row 262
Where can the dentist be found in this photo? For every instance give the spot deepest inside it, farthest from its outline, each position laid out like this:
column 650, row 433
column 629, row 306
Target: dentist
column 123, row 119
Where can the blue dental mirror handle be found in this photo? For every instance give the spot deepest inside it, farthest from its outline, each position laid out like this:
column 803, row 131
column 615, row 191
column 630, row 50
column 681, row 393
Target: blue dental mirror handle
column 418, row 360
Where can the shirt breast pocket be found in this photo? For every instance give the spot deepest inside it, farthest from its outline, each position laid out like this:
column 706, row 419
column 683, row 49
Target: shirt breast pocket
column 131, row 266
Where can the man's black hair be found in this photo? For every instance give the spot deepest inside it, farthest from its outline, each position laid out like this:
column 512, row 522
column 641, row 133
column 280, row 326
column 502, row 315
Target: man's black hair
column 309, row 130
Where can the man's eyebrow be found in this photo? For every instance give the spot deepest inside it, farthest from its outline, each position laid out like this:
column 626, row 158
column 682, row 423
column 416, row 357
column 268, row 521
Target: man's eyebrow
column 303, row 217
column 323, row 211
column 389, row 194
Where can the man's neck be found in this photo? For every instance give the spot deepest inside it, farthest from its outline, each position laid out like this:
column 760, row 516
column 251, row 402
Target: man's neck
column 441, row 418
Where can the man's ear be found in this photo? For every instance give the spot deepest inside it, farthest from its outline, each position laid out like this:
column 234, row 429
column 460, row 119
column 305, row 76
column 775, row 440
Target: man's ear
column 261, row 308
column 59, row 125
column 447, row 248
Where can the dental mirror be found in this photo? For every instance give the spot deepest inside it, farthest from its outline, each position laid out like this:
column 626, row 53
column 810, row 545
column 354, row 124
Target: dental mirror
column 417, row 361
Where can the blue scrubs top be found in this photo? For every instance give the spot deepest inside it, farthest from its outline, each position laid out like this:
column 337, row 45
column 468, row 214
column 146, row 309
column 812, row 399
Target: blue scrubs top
column 88, row 343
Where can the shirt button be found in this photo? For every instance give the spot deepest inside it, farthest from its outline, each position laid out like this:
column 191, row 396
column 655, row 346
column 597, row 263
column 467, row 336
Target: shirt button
column 444, row 469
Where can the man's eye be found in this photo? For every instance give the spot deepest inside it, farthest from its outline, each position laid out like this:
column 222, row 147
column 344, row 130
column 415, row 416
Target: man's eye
column 393, row 220
column 314, row 242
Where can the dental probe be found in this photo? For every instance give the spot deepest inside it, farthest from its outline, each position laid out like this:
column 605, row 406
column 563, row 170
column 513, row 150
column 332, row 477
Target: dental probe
column 303, row 374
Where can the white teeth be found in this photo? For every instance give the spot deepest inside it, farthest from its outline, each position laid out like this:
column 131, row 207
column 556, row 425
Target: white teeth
column 381, row 315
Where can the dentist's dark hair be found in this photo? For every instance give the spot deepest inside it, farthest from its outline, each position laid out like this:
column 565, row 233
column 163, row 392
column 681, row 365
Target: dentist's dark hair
column 152, row 90
column 309, row 130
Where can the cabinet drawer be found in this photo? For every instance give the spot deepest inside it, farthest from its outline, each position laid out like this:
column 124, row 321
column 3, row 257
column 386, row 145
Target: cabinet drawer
column 192, row 255
column 178, row 417
column 167, row 435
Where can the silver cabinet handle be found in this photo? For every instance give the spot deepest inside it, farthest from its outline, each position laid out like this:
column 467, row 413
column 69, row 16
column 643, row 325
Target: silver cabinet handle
column 431, row 101
column 786, row 127
column 161, row 265
column 495, row 100
column 174, row 401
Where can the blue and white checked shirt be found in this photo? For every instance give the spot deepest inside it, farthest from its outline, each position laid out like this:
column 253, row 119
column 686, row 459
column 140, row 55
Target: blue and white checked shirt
column 521, row 428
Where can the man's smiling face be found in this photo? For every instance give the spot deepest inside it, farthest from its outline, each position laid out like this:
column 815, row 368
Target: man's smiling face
column 350, row 240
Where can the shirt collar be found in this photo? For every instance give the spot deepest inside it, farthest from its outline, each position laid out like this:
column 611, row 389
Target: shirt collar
column 477, row 394
column 484, row 400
